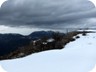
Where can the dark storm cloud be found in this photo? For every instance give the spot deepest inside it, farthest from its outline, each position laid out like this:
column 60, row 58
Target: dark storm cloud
column 45, row 12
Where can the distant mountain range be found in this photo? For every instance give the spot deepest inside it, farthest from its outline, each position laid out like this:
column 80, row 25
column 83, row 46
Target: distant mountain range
column 40, row 34
column 10, row 42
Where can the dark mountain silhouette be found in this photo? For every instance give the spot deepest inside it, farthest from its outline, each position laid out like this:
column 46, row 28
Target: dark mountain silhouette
column 40, row 34
column 10, row 42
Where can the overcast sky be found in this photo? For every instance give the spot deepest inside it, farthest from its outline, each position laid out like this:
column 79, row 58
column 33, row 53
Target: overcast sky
column 48, row 13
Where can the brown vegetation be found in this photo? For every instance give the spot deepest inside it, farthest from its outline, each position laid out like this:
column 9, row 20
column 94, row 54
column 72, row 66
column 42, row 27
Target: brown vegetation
column 59, row 41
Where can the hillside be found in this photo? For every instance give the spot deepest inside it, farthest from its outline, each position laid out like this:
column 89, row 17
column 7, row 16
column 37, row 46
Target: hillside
column 44, row 42
column 11, row 42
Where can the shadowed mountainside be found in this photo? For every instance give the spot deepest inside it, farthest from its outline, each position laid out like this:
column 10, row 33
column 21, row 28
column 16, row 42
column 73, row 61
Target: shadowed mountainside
column 10, row 42
column 16, row 46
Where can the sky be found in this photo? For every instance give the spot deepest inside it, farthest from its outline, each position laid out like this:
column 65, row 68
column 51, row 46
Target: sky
column 26, row 16
column 77, row 56
column 48, row 13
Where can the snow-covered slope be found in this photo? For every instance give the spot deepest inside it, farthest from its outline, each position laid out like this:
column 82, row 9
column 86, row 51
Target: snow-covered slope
column 77, row 56
column 2, row 70
column 94, row 69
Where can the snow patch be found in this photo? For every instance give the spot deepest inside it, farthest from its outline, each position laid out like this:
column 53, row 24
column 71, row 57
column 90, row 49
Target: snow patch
column 2, row 70
column 94, row 69
column 50, row 40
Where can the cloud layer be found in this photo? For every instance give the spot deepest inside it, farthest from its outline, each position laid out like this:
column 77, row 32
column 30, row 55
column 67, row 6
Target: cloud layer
column 43, row 13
